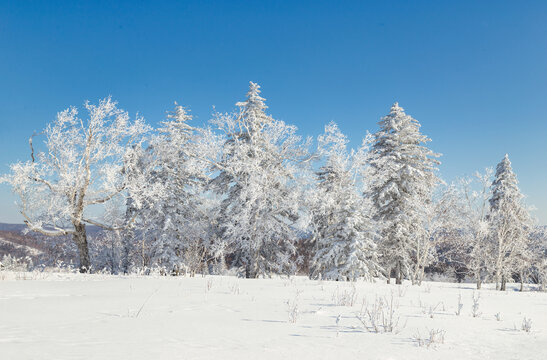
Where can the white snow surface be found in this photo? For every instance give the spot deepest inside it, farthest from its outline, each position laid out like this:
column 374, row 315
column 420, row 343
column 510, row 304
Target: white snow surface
column 76, row 316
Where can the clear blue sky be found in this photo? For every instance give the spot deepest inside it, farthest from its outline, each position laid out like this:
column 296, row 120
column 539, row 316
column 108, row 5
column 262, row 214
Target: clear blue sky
column 474, row 73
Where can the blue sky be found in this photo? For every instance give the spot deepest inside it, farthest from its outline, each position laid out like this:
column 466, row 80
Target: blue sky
column 474, row 73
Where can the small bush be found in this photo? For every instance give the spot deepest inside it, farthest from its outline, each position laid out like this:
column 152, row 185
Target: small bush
column 475, row 308
column 10, row 263
column 293, row 309
column 346, row 297
column 460, row 305
column 436, row 336
column 526, row 324
column 381, row 316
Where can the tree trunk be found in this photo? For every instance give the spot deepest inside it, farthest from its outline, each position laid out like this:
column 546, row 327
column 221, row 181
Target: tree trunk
column 503, row 282
column 521, row 275
column 80, row 238
column 251, row 268
column 399, row 274
column 479, row 282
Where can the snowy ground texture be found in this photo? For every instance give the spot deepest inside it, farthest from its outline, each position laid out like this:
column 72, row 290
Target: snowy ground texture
column 73, row 316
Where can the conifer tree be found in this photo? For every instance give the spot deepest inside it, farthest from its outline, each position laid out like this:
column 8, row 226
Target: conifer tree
column 258, row 184
column 402, row 171
column 173, row 221
column 343, row 233
column 509, row 226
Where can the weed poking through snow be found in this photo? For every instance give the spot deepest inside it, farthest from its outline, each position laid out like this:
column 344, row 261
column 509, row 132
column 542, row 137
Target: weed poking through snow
column 346, row 297
column 475, row 308
column 436, row 336
column 526, row 324
column 460, row 305
column 381, row 316
column 292, row 308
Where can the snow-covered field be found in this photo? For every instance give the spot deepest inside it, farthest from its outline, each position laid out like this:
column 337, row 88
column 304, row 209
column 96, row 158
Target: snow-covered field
column 73, row 316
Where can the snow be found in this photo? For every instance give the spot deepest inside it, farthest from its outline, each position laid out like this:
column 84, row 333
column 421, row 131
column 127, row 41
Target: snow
column 81, row 316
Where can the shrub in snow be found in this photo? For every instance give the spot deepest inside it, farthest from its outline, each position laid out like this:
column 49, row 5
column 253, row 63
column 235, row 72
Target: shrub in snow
column 475, row 306
column 338, row 318
column 292, row 308
column 436, row 336
column 432, row 310
column 526, row 324
column 209, row 284
column 460, row 305
column 346, row 297
column 10, row 263
column 381, row 316
column 235, row 288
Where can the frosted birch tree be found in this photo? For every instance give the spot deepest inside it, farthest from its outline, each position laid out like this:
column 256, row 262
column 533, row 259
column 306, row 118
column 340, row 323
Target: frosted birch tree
column 343, row 232
column 440, row 221
column 402, row 178
column 258, row 182
column 80, row 169
column 475, row 210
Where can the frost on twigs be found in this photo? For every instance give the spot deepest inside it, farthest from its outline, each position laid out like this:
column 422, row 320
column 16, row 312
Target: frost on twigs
column 475, row 306
column 526, row 324
column 83, row 166
column 346, row 297
column 435, row 337
column 382, row 316
column 460, row 305
column 293, row 310
column 343, row 232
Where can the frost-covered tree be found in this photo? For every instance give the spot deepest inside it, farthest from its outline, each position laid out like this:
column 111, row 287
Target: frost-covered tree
column 258, row 184
column 509, row 225
column 402, row 171
column 538, row 250
column 343, row 235
column 174, row 218
column 62, row 188
column 442, row 222
column 471, row 238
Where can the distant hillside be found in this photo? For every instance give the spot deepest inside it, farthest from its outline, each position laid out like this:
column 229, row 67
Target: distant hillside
column 20, row 227
column 15, row 242
column 12, row 227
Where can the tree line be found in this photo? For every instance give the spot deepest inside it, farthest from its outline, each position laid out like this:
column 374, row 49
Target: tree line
column 247, row 193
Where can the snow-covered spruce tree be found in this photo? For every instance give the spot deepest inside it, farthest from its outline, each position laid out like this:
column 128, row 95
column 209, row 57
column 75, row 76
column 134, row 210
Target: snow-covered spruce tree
column 258, row 184
column 402, row 176
column 174, row 219
column 82, row 167
column 509, row 225
column 344, row 247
